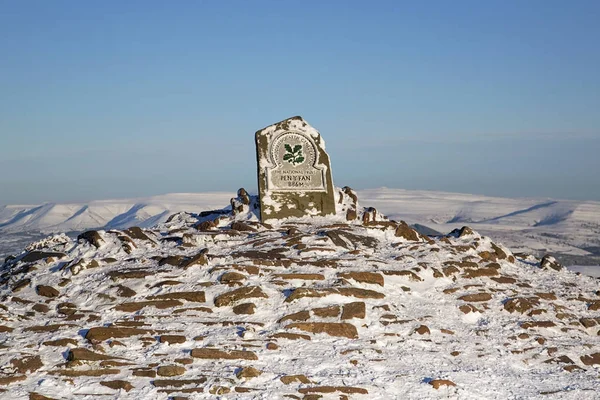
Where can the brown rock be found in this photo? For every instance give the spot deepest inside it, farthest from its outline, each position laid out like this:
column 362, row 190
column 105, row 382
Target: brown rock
column 178, row 382
column 242, row 227
column 248, row 373
column 437, row 383
column 7, row 380
column 231, row 277
column 41, row 308
column 79, row 354
column 193, row 296
column 363, row 277
column 299, row 316
column 332, row 389
column 587, row 322
column 20, row 285
column 351, row 215
column 219, row 390
column 233, row 296
column 504, row 279
column 213, row 354
column 290, row 336
column 4, row 328
column 351, row 292
column 144, row 372
column 289, row 379
column 92, row 237
column 549, row 262
column 37, row 396
column 117, row 385
column 407, row 232
column 206, row 225
column 244, row 308
column 159, row 304
column 124, row 291
column 47, row 328
column 170, row 370
column 354, row 310
column 326, row 312
column 103, row 333
column 477, row 297
column 85, row 372
column 499, row 252
column 410, row 274
column 594, row 305
column 33, row 256
column 423, row 330
column 198, row 259
column 130, row 274
column 537, row 324
column 343, row 329
column 591, row 359
column 546, row 296
column 46, row 291
column 27, row 364
column 272, row 346
column 521, row 304
column 172, row 339
column 175, row 261
column 480, row 272
column 308, row 277
column 136, row 232
column 468, row 308
column 60, row 342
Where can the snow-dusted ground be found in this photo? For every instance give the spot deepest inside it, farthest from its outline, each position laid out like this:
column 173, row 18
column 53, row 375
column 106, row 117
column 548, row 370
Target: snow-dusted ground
column 367, row 311
column 568, row 228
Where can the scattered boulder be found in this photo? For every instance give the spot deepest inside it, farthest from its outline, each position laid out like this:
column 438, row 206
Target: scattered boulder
column 438, row 383
column 423, row 330
column 92, row 237
column 521, row 304
column 363, row 277
column 591, row 359
column 26, row 364
column 354, row 310
column 47, row 291
column 170, row 370
column 477, row 297
column 234, row 296
column 549, row 262
column 289, row 379
column 343, row 329
column 244, row 308
column 406, row 232
column 172, row 339
column 248, row 373
column 216, row 354
column 117, row 385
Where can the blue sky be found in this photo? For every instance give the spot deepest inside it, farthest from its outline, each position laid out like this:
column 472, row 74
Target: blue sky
column 120, row 99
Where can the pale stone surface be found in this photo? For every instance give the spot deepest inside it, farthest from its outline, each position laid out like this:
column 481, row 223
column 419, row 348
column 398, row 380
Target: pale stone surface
column 294, row 172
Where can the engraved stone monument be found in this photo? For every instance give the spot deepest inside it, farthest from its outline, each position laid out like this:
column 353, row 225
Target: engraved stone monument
column 294, row 173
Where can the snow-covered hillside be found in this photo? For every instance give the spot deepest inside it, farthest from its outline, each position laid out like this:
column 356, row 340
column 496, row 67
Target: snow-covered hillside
column 570, row 229
column 219, row 305
column 53, row 217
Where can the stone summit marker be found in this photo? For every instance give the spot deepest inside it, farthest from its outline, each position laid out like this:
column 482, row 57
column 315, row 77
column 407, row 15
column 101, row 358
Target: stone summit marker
column 294, row 173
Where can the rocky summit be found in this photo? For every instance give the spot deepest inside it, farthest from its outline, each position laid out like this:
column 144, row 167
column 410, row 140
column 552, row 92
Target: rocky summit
column 348, row 306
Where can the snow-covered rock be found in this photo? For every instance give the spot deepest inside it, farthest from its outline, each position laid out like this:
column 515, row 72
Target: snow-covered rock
column 217, row 303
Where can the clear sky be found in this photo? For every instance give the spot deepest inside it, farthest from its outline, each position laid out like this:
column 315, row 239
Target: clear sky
column 110, row 99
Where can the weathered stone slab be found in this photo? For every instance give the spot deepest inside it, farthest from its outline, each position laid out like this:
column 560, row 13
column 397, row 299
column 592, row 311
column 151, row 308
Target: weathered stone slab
column 294, row 172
